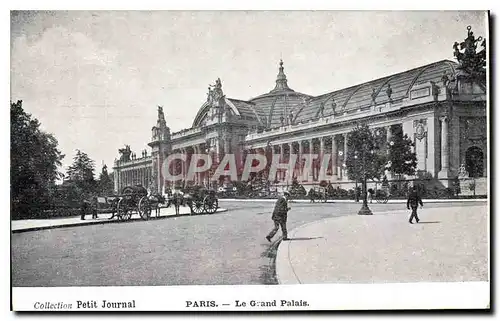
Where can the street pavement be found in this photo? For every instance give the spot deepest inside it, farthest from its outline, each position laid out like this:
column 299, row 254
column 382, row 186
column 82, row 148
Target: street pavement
column 226, row 248
column 447, row 245
column 18, row 226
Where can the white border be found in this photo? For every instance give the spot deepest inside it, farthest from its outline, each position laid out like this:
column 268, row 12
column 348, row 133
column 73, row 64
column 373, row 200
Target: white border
column 437, row 295
column 461, row 295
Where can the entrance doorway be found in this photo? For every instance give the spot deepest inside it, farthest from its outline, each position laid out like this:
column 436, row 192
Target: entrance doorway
column 474, row 159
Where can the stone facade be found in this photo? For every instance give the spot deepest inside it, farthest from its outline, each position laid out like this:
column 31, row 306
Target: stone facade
column 442, row 110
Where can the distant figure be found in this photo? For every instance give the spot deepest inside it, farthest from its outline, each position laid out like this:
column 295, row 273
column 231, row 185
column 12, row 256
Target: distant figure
column 279, row 217
column 177, row 201
column 371, row 193
column 312, row 195
column 357, row 193
column 413, row 201
column 84, row 208
column 94, row 207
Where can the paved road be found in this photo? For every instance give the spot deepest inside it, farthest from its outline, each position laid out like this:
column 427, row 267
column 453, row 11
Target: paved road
column 223, row 248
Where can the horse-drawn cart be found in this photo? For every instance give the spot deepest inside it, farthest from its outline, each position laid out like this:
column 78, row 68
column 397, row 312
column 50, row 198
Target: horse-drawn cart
column 133, row 199
column 202, row 201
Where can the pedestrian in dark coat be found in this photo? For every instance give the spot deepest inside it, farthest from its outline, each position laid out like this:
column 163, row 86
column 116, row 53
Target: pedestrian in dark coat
column 413, row 201
column 84, row 208
column 279, row 217
column 93, row 207
column 177, row 200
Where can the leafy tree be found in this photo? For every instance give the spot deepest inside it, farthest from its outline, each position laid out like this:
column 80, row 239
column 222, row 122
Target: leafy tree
column 81, row 172
column 363, row 151
column 402, row 160
column 35, row 160
column 105, row 183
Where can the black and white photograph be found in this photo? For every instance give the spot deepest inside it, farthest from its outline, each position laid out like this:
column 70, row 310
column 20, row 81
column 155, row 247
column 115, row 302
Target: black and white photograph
column 249, row 160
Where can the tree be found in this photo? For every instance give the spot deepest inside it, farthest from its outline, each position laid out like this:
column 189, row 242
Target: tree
column 402, row 160
column 81, row 172
column 362, row 144
column 105, row 184
column 35, row 160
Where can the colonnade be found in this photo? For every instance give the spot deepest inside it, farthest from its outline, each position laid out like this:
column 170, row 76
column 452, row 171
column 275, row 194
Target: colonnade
column 133, row 176
column 334, row 145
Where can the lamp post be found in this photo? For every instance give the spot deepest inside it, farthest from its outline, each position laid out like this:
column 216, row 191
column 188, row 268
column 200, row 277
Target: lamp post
column 365, row 210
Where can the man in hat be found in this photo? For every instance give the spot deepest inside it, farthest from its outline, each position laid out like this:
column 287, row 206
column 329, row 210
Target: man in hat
column 279, row 216
column 413, row 201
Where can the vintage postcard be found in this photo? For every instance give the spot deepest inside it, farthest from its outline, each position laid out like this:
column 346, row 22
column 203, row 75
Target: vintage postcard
column 249, row 160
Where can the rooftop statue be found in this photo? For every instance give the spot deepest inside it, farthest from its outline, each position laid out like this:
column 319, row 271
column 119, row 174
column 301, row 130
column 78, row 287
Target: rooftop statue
column 389, row 91
column 215, row 92
column 125, row 153
column 471, row 61
column 161, row 115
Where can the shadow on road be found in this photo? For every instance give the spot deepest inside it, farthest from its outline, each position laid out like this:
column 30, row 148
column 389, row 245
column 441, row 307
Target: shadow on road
column 268, row 271
column 429, row 222
column 304, row 238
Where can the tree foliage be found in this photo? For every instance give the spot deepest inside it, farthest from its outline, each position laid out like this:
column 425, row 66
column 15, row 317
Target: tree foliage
column 364, row 155
column 81, row 172
column 402, row 160
column 35, row 160
column 105, row 185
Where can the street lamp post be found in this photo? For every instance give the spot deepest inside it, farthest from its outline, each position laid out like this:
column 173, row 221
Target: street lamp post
column 365, row 210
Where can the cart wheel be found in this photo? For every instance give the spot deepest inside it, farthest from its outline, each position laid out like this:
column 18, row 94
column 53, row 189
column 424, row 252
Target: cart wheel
column 144, row 208
column 197, row 207
column 211, row 204
column 122, row 210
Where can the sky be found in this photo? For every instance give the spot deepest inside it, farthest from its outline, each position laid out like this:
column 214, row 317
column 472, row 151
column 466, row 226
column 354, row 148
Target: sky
column 94, row 79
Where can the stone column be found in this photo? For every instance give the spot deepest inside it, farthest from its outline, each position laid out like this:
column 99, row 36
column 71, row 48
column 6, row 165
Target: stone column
column 226, row 145
column 342, row 170
column 282, row 154
column 388, row 130
column 183, row 164
column 445, row 153
column 290, row 152
column 321, row 155
column 116, row 177
column 300, row 161
column 311, row 150
column 335, row 153
column 196, row 150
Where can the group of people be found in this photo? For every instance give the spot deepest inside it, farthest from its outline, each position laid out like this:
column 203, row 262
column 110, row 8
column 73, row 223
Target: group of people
column 88, row 206
column 281, row 209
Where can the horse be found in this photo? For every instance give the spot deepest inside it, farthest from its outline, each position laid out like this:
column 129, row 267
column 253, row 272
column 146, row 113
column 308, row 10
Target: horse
column 155, row 200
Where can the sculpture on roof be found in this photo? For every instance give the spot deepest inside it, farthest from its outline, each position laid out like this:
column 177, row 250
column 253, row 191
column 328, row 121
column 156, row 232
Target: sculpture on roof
column 470, row 60
column 215, row 92
column 389, row 92
column 290, row 118
column 374, row 95
column 322, row 110
column 334, row 105
column 125, row 153
column 445, row 79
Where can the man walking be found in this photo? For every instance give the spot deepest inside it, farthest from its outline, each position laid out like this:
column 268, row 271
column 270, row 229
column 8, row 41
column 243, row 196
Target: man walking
column 279, row 217
column 413, row 201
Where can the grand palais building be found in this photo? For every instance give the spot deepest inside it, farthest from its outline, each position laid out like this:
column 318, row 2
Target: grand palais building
column 441, row 107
